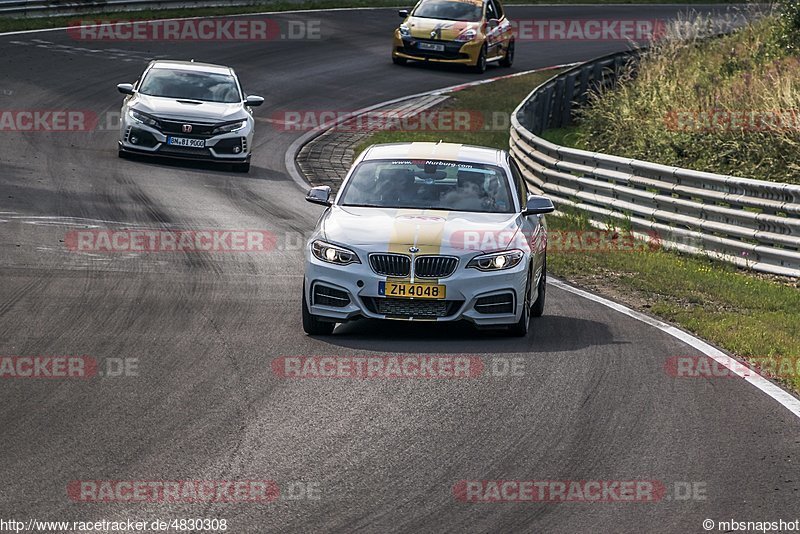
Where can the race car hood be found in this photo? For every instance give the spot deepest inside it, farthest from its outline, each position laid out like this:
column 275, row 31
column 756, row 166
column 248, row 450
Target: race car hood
column 445, row 30
column 171, row 108
column 431, row 231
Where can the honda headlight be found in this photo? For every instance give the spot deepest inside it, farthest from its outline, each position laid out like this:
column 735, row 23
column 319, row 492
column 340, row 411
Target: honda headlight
column 144, row 118
column 230, row 127
column 497, row 261
column 404, row 31
column 333, row 254
column 467, row 35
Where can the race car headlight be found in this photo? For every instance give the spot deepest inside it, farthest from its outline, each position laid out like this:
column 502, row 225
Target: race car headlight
column 467, row 35
column 497, row 261
column 404, row 31
column 230, row 127
column 144, row 118
column 332, row 254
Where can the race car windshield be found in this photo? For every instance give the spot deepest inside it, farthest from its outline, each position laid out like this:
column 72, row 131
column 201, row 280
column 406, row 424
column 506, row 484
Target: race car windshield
column 450, row 10
column 191, row 85
column 441, row 185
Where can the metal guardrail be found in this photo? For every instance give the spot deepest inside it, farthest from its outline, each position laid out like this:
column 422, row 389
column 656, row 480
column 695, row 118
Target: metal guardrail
column 751, row 223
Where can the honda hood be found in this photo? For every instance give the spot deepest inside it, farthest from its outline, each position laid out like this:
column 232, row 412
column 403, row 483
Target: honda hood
column 172, row 108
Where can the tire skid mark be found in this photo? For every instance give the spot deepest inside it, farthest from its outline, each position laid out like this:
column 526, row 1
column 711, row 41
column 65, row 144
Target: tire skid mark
column 267, row 208
column 195, row 261
column 19, row 294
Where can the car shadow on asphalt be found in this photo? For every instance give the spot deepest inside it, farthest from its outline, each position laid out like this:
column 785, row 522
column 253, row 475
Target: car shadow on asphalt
column 492, row 69
column 550, row 333
column 189, row 164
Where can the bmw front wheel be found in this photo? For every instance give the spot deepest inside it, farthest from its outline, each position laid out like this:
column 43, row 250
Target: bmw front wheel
column 313, row 325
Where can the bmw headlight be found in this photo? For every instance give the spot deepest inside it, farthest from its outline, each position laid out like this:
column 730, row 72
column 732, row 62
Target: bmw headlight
column 144, row 118
column 333, row 254
column 229, row 127
column 467, row 35
column 404, row 31
column 497, row 261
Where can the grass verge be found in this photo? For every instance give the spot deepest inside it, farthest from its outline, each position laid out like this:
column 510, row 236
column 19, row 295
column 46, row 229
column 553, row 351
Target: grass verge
column 8, row 24
column 728, row 105
column 754, row 317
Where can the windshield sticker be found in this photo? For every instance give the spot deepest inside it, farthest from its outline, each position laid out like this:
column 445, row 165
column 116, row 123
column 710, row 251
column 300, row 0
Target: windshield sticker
column 448, row 164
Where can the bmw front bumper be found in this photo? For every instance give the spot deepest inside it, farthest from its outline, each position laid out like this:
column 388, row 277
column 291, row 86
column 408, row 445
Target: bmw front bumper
column 341, row 293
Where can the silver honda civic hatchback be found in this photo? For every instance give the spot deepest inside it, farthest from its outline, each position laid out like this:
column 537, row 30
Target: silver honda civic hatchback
column 183, row 109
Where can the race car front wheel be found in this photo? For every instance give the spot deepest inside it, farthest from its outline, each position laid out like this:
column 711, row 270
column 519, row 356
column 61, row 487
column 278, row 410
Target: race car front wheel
column 521, row 327
column 508, row 59
column 312, row 325
column 538, row 307
column 480, row 63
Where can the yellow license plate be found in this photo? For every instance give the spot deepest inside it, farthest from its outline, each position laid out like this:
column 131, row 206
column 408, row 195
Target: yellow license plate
column 416, row 291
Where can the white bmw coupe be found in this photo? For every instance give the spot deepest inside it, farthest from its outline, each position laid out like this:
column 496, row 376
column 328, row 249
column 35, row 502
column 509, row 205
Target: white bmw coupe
column 428, row 232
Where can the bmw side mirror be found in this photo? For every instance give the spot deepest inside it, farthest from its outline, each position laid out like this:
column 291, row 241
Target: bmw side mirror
column 125, row 88
column 403, row 13
column 320, row 195
column 253, row 101
column 538, row 205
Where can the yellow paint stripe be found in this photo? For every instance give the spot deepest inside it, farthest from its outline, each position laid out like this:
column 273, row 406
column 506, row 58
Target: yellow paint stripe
column 420, row 150
column 430, row 233
column 437, row 151
column 403, row 230
column 447, row 151
column 426, row 235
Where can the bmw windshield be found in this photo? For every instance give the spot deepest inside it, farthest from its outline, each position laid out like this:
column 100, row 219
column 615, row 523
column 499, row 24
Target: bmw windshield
column 440, row 185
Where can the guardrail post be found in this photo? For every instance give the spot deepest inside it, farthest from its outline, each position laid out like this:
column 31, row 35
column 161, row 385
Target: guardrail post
column 547, row 103
column 558, row 103
column 569, row 98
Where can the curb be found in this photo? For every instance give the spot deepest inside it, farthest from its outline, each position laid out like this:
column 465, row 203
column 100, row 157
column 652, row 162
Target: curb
column 290, row 158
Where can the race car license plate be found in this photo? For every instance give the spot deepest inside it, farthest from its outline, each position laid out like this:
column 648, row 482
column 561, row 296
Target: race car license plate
column 432, row 46
column 408, row 291
column 185, row 141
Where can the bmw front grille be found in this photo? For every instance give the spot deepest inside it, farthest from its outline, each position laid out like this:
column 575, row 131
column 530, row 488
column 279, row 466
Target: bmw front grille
column 399, row 265
column 390, row 264
column 434, row 266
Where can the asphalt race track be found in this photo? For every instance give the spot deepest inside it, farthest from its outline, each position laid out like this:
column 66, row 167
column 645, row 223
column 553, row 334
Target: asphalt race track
column 593, row 401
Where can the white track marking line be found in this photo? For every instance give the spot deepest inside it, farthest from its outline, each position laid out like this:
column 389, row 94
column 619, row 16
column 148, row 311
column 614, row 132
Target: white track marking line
column 786, row 399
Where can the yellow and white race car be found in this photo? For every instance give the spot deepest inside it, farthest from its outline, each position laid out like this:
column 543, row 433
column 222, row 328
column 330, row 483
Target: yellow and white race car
column 465, row 32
